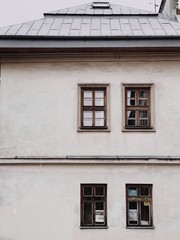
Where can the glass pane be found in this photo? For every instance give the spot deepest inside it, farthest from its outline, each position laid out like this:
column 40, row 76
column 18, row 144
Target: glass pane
column 87, row 102
column 131, row 114
column 143, row 94
column 132, row 191
column 99, row 191
column 88, row 114
column 87, row 94
column 145, row 220
column 99, row 122
column 143, row 122
column 131, row 122
column 87, row 191
column 99, row 205
column 99, row 114
column 87, row 122
column 99, row 94
column 99, row 213
column 99, row 102
column 133, row 213
column 144, row 191
column 99, row 98
column 131, row 102
column 143, row 102
column 143, row 114
column 88, row 213
column 88, row 98
column 130, row 94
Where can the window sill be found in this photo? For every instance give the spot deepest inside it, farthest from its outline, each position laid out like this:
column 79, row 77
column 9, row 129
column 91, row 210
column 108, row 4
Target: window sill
column 93, row 130
column 141, row 227
column 138, row 130
column 93, row 227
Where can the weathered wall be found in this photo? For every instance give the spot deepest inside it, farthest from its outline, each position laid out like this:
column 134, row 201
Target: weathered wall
column 39, row 109
column 43, row 202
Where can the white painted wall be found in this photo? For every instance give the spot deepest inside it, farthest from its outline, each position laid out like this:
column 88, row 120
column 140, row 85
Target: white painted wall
column 39, row 109
column 43, row 202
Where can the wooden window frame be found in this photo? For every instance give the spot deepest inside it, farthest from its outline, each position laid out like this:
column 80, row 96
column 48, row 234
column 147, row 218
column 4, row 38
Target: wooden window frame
column 93, row 108
column 137, row 108
column 148, row 199
column 93, row 198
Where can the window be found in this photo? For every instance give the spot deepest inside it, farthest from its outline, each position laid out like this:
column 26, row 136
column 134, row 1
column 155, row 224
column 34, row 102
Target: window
column 138, row 106
column 101, row 5
column 93, row 205
column 93, row 112
column 139, row 205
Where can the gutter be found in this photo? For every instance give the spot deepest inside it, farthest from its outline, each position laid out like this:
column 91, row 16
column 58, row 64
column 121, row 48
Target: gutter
column 20, row 42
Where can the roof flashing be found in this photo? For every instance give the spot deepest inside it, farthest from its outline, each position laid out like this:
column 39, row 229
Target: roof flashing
column 101, row 5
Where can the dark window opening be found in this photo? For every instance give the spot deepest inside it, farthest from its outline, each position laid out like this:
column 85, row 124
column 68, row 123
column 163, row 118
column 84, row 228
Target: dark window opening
column 93, row 205
column 139, row 205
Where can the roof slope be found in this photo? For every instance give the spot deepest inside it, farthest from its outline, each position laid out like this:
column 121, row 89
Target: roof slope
column 85, row 21
column 87, row 9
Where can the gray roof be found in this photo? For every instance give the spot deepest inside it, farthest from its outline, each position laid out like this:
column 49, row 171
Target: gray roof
column 87, row 9
column 86, row 21
column 94, row 26
column 88, row 27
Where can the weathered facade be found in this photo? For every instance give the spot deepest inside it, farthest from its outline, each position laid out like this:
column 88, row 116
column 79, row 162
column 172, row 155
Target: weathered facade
column 89, row 123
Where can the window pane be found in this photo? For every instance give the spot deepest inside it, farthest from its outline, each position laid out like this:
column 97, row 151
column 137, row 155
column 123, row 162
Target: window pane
column 99, row 118
column 87, row 122
column 143, row 122
column 143, row 94
column 131, row 114
column 131, row 102
column 99, row 94
column 144, row 191
column 131, row 94
column 88, row 213
column 133, row 213
column 99, row 98
column 99, row 191
column 88, row 114
column 99, row 102
column 145, row 220
column 143, row 114
column 87, row 98
column 99, row 122
column 87, row 191
column 99, row 205
column 143, row 102
column 87, row 102
column 132, row 191
column 87, row 94
column 99, row 213
column 87, row 118
column 131, row 118
column 131, row 122
column 99, row 114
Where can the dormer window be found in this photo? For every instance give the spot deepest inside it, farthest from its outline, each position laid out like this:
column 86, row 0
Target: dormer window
column 101, row 5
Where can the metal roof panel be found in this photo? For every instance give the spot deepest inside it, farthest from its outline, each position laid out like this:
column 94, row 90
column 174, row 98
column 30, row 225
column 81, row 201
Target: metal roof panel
column 70, row 22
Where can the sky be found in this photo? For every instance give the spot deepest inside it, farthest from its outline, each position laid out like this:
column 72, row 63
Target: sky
column 19, row 11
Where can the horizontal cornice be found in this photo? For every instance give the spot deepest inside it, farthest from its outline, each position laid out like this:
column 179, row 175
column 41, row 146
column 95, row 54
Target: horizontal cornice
column 104, row 160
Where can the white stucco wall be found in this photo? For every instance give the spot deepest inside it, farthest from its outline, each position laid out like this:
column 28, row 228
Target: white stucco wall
column 39, row 109
column 43, row 201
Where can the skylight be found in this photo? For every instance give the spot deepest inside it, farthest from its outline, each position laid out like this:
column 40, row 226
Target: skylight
column 101, row 5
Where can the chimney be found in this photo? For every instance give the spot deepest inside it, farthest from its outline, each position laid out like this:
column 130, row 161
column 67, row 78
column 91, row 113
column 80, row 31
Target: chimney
column 169, row 8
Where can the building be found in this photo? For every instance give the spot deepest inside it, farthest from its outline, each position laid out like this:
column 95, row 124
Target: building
column 89, row 125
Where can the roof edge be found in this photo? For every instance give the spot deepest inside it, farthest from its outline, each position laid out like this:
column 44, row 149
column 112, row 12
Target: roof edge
column 85, row 38
column 100, row 15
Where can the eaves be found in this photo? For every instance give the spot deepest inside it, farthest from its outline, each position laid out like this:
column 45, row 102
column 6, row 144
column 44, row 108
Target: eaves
column 19, row 42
